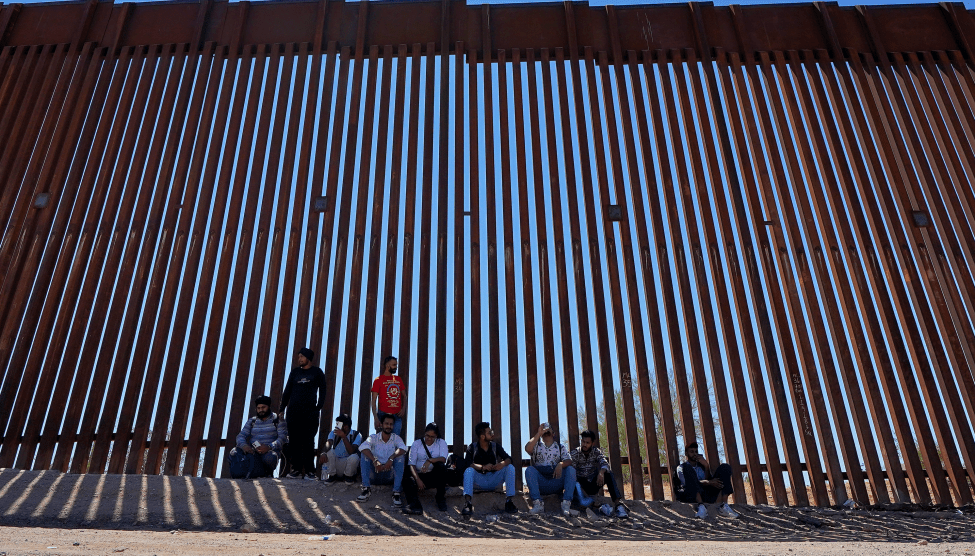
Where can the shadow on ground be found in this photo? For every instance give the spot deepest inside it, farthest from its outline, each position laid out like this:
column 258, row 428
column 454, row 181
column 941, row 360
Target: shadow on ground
column 162, row 503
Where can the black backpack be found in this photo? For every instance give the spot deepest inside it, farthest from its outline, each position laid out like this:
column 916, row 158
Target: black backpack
column 246, row 466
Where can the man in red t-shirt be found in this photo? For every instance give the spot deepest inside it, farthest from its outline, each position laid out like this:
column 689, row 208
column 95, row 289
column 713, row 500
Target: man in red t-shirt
column 388, row 395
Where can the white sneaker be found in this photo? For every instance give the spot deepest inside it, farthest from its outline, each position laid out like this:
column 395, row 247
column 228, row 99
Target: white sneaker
column 702, row 511
column 537, row 507
column 725, row 511
column 567, row 507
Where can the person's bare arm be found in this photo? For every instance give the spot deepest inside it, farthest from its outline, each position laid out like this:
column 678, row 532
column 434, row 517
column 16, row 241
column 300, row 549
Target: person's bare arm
column 375, row 408
column 530, row 445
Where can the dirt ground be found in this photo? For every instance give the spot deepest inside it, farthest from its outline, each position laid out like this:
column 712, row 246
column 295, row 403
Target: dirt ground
column 136, row 514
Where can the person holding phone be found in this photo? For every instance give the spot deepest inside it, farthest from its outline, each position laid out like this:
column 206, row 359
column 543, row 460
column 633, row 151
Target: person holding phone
column 551, row 471
column 342, row 451
column 697, row 484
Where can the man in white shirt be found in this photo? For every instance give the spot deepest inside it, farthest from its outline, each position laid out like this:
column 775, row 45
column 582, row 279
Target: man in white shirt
column 382, row 461
column 427, row 469
column 551, row 471
column 342, row 451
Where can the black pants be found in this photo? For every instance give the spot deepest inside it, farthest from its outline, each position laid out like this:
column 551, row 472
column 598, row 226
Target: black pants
column 590, row 487
column 302, row 428
column 709, row 494
column 437, row 478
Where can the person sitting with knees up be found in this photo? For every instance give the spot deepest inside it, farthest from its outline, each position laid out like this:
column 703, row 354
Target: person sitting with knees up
column 259, row 443
column 551, row 471
column 427, row 469
column 382, row 461
column 489, row 466
column 697, row 484
column 592, row 472
column 342, row 451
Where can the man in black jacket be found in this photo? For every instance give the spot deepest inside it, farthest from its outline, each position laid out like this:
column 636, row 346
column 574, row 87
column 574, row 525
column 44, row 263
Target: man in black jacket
column 304, row 397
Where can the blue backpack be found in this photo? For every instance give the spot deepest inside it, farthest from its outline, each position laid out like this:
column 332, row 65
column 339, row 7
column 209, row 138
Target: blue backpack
column 245, row 466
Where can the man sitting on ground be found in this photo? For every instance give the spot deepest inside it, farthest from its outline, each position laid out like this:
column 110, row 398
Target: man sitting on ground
column 259, row 443
column 696, row 484
column 551, row 471
column 592, row 472
column 342, row 451
column 382, row 461
column 489, row 466
column 427, row 469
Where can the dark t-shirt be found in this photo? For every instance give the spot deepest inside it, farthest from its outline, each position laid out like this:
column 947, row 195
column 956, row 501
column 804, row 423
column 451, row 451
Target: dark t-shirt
column 304, row 391
column 485, row 457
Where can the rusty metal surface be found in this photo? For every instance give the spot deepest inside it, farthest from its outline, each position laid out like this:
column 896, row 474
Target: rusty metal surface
column 789, row 281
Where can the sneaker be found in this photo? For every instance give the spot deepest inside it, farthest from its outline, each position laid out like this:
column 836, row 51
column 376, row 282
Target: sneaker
column 621, row 511
column 310, row 477
column 468, row 510
column 293, row 475
column 364, row 495
column 510, row 507
column 702, row 511
column 442, row 505
column 725, row 511
column 331, row 479
column 350, row 480
column 566, row 507
column 397, row 499
column 537, row 507
column 410, row 510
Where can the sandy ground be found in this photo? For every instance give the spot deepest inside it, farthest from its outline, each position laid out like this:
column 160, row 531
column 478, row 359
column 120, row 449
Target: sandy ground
column 114, row 514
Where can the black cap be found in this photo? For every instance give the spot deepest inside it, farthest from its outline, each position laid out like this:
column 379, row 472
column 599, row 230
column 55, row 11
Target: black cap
column 308, row 353
column 263, row 400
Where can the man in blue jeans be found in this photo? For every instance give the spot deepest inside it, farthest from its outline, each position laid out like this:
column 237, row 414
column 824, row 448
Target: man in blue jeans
column 551, row 471
column 489, row 466
column 382, row 461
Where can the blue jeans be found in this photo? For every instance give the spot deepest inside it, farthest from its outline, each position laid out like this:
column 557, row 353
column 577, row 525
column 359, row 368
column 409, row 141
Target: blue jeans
column 490, row 480
column 539, row 484
column 394, row 475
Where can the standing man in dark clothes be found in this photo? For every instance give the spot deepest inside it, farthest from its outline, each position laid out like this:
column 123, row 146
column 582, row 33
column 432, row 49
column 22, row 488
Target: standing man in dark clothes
column 304, row 397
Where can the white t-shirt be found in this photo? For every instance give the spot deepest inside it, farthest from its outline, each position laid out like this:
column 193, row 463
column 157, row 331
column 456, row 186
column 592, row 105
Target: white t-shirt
column 549, row 456
column 382, row 451
column 418, row 456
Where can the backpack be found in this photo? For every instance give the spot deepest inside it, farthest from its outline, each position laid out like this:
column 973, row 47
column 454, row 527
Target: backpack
column 245, row 466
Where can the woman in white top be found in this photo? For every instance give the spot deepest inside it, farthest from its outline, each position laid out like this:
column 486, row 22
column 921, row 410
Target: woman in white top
column 427, row 469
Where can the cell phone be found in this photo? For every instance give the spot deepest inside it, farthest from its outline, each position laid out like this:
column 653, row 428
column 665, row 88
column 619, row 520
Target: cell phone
column 547, row 426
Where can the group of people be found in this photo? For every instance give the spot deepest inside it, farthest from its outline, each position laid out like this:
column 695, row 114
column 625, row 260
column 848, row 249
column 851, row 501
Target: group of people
column 382, row 458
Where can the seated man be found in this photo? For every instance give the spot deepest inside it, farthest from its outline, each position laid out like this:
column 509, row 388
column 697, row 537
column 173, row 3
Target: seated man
column 259, row 443
column 697, row 484
column 592, row 472
column 489, row 466
column 427, row 469
column 382, row 461
column 551, row 471
column 342, row 451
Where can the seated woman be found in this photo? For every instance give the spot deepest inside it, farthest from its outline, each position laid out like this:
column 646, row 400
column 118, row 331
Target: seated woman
column 427, row 469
